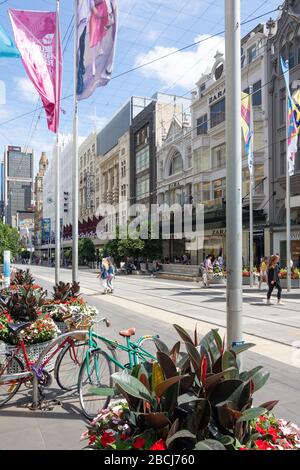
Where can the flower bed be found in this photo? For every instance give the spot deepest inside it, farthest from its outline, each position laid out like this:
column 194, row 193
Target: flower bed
column 194, row 399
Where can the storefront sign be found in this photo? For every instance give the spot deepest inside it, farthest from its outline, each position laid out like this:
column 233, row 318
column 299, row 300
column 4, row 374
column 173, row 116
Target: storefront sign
column 219, row 232
column 295, row 236
column 216, row 96
column 174, row 185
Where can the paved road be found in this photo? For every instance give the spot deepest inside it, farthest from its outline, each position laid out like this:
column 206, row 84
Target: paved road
column 152, row 306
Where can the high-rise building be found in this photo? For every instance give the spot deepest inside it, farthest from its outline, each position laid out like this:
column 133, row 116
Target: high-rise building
column 1, row 189
column 38, row 194
column 18, row 182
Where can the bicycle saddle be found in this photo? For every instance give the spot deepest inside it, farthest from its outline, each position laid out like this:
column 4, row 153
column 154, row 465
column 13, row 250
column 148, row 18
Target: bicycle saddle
column 128, row 333
column 15, row 328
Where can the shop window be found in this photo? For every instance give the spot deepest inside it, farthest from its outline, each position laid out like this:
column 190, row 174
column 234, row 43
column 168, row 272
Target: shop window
column 219, row 156
column 206, row 191
column 176, row 164
column 252, row 53
column 202, row 125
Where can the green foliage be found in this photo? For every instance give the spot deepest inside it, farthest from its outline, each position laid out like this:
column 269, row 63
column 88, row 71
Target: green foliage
column 66, row 291
column 197, row 398
column 24, row 304
column 9, row 240
column 86, row 251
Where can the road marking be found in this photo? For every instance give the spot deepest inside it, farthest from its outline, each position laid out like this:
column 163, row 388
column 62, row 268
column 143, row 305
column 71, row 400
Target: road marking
column 276, row 351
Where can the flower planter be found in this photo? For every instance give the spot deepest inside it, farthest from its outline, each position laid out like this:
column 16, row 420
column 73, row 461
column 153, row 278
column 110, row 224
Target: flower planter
column 246, row 281
column 295, row 284
column 33, row 351
column 62, row 326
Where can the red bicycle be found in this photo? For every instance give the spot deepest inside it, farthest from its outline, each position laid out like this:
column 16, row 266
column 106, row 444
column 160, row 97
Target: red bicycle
column 16, row 367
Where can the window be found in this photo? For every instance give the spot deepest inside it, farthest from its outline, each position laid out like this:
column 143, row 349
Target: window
column 251, row 54
column 202, row 125
column 142, row 187
column 206, row 192
column 123, row 190
column 219, row 188
column 256, row 97
column 142, row 159
column 202, row 88
column 282, row 107
column 217, row 113
column 123, row 151
column 123, row 169
column 259, row 173
column 282, row 162
column 142, row 136
column 219, row 156
column 202, row 159
column 176, row 164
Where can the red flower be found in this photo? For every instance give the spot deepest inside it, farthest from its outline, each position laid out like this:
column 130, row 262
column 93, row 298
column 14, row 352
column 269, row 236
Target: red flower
column 262, row 418
column 139, row 443
column 124, row 437
column 244, row 448
column 107, row 439
column 260, row 429
column 273, row 433
column 92, row 439
column 159, row 445
column 263, row 445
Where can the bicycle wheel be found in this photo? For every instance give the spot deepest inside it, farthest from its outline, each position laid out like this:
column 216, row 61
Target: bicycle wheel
column 9, row 388
column 68, row 364
column 94, row 374
column 149, row 345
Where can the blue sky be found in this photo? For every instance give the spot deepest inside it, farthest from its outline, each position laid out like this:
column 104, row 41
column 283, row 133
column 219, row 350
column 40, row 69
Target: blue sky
column 147, row 29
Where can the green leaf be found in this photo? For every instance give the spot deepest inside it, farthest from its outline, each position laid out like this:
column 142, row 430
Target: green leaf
column 208, row 341
column 166, row 364
column 269, row 405
column 164, row 386
column 180, row 435
column 218, row 339
column 252, row 413
column 183, row 334
column 228, row 360
column 242, row 347
column 209, row 444
column 226, row 440
column 246, row 375
column 161, row 346
column 215, row 378
column 132, row 386
column 259, row 380
column 187, row 398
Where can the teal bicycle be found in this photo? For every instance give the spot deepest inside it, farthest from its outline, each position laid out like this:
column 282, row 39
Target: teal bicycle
column 102, row 360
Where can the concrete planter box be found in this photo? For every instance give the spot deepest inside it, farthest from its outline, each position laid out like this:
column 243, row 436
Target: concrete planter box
column 295, row 284
column 246, row 281
column 218, row 281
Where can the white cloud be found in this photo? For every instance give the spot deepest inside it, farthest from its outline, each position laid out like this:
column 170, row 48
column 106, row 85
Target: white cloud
column 26, row 90
column 183, row 68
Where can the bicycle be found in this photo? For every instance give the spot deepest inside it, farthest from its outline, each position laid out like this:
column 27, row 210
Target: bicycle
column 14, row 372
column 99, row 364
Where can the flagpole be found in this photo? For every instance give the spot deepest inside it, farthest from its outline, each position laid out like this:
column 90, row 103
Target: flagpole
column 251, row 148
column 57, row 179
column 288, row 195
column 75, row 160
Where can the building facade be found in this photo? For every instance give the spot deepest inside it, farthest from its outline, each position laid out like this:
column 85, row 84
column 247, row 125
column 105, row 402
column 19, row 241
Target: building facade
column 88, row 178
column 284, row 40
column 18, row 182
column 209, row 149
column 38, row 196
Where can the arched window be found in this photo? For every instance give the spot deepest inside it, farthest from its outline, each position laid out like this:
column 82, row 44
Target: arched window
column 176, row 164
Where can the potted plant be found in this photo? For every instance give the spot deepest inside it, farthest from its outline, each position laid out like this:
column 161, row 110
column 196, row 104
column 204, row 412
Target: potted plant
column 295, row 278
column 193, row 399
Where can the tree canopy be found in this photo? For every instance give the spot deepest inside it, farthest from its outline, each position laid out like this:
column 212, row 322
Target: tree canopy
column 9, row 240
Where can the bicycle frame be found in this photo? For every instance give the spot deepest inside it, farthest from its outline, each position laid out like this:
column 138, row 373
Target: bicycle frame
column 30, row 365
column 133, row 349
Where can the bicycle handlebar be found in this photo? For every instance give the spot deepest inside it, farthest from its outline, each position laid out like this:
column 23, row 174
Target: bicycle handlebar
column 104, row 320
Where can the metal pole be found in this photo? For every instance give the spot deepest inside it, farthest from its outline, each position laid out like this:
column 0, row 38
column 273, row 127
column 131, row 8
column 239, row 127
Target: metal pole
column 288, row 193
column 57, row 182
column 251, row 192
column 234, row 172
column 75, row 160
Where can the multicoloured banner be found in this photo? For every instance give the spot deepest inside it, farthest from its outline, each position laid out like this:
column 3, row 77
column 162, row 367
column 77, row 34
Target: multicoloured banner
column 7, row 47
column 296, row 102
column 246, row 127
column 35, row 36
column 97, row 30
column 292, row 134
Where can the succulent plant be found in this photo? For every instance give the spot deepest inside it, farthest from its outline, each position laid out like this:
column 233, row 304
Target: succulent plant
column 24, row 304
column 22, row 278
column 66, row 291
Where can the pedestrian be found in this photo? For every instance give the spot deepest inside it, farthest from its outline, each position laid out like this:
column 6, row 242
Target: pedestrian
column 274, row 279
column 110, row 276
column 103, row 275
column 263, row 275
column 220, row 260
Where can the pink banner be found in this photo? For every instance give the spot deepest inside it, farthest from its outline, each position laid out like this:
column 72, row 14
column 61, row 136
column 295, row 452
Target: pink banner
column 35, row 36
column 97, row 30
